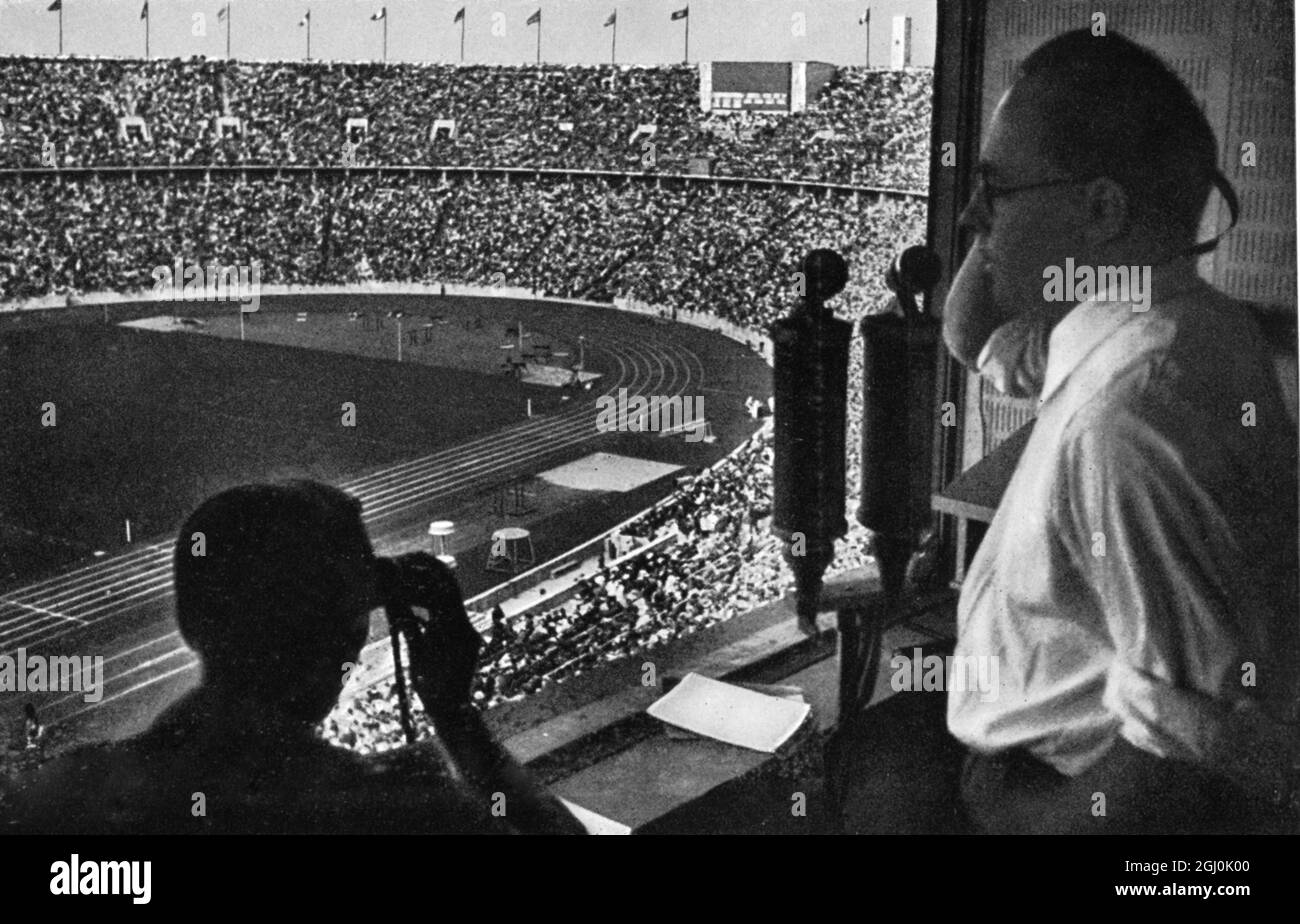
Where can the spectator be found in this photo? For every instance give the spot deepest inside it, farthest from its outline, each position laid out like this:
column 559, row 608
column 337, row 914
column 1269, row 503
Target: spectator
column 279, row 601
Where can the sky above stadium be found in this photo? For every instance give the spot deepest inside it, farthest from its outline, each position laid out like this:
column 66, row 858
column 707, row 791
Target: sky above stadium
column 496, row 31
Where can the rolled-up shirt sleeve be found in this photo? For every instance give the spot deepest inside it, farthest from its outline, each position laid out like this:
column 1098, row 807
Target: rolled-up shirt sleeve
column 1152, row 543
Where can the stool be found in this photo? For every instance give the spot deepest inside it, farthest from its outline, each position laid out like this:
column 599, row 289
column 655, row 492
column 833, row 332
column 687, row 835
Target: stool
column 512, row 549
column 440, row 531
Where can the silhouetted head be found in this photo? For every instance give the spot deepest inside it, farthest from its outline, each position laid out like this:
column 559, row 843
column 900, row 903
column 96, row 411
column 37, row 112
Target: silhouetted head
column 274, row 586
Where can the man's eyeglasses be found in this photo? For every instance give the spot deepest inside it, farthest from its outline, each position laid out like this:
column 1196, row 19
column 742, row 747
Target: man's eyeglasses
column 987, row 192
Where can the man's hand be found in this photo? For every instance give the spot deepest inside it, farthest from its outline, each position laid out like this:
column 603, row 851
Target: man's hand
column 1015, row 357
column 444, row 652
column 444, row 649
column 970, row 314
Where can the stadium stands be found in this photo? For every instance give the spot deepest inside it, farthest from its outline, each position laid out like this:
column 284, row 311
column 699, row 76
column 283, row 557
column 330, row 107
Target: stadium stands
column 734, row 253
column 867, row 127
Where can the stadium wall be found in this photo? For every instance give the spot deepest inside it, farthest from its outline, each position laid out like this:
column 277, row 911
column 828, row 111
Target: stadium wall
column 755, row 340
column 446, row 173
column 564, row 563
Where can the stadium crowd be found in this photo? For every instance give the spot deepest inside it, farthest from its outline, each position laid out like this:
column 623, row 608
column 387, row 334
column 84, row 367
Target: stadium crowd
column 868, row 127
column 732, row 252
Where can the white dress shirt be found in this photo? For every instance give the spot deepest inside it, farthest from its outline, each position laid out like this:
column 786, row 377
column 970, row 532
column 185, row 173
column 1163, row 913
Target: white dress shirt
column 1139, row 577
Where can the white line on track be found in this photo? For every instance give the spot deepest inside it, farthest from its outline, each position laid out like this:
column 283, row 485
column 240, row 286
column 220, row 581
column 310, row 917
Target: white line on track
column 42, row 610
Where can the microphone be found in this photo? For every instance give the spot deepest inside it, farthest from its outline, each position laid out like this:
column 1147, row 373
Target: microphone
column 913, row 271
column 898, row 415
column 810, row 379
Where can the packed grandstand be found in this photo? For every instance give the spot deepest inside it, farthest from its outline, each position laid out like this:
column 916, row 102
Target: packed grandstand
column 849, row 174
column 866, row 128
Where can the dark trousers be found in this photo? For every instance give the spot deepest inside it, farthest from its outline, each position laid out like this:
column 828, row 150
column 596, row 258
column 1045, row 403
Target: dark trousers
column 897, row 770
column 1128, row 791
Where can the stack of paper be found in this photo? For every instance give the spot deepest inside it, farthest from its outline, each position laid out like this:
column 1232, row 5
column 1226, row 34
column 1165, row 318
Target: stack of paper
column 730, row 713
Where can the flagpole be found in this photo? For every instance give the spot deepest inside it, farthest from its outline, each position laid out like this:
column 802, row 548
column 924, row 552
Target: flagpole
column 686, row 52
column 309, row 35
column 385, row 35
column 539, row 41
column 146, row 33
column 60, row 30
column 866, row 51
column 462, row 38
column 613, row 43
column 227, row 31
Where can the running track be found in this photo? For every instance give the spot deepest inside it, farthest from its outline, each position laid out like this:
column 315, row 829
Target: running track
column 128, row 598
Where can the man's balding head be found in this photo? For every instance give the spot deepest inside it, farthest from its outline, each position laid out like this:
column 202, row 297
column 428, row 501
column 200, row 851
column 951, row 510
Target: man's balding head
column 1099, row 155
column 1106, row 106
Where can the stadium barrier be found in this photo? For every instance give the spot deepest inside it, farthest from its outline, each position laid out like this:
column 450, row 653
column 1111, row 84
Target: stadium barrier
column 460, row 172
column 142, row 296
column 756, row 341
column 573, row 563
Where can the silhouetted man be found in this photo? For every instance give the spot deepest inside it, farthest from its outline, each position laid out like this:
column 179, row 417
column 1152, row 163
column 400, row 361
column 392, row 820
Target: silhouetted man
column 274, row 589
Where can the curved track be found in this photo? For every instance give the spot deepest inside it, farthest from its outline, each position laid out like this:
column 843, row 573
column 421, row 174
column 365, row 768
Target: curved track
column 48, row 616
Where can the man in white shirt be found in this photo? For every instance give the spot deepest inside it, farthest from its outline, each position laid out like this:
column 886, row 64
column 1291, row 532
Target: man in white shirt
column 1137, row 586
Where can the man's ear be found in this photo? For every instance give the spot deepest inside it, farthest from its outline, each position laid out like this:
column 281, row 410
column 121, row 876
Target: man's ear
column 1108, row 210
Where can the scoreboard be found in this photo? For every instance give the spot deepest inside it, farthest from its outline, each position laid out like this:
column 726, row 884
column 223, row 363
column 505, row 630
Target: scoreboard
column 760, row 86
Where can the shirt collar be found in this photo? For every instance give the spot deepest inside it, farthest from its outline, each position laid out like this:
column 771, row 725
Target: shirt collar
column 1090, row 323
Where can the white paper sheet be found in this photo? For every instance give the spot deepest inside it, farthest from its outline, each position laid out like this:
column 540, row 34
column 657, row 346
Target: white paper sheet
column 730, row 713
column 595, row 823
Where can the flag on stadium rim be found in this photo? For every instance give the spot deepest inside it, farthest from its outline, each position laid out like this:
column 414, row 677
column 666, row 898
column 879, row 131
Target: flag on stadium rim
column 56, row 5
column 536, row 17
column 864, row 18
column 613, row 18
column 144, row 10
column 681, row 14
column 223, row 12
column 382, row 14
column 305, row 19
column 460, row 14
